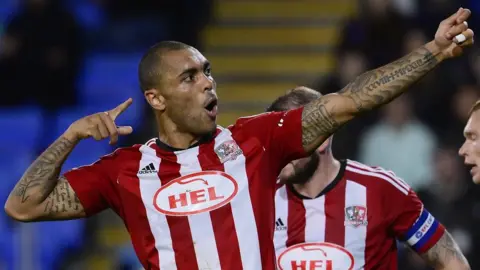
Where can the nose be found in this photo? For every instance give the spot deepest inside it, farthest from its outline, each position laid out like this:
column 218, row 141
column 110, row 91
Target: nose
column 208, row 83
column 461, row 151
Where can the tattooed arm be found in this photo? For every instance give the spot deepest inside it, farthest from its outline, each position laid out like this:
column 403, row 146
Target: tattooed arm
column 446, row 255
column 324, row 116
column 374, row 88
column 40, row 194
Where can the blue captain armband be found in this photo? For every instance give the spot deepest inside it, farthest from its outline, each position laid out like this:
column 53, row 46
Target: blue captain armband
column 424, row 233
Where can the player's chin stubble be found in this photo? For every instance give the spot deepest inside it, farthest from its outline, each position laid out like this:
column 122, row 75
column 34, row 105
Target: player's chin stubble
column 303, row 174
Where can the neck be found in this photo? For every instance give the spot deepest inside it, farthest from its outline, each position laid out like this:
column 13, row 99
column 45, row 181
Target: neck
column 169, row 134
column 327, row 169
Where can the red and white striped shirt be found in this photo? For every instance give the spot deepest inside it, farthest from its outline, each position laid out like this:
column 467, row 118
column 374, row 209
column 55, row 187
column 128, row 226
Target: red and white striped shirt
column 210, row 206
column 353, row 223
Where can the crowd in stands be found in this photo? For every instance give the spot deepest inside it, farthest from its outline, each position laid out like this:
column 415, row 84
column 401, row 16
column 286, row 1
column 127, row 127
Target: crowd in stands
column 60, row 60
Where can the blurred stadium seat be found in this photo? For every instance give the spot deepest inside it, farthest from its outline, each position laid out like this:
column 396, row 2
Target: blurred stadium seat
column 55, row 239
column 109, row 80
column 24, row 126
column 7, row 8
column 107, row 76
column 89, row 15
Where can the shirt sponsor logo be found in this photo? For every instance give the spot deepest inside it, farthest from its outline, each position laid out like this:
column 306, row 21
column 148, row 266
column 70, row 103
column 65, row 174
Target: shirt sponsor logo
column 315, row 256
column 195, row 193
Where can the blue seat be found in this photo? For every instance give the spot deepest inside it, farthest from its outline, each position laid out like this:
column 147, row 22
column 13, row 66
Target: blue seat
column 7, row 9
column 109, row 75
column 86, row 154
column 9, row 248
column 108, row 80
column 68, row 234
column 87, row 14
column 12, row 166
column 21, row 128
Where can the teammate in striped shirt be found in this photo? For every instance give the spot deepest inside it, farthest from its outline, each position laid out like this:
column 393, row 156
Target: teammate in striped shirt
column 201, row 196
column 470, row 150
column 341, row 214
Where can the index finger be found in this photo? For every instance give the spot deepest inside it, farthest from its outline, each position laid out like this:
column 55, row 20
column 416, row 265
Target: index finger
column 463, row 16
column 115, row 112
column 453, row 18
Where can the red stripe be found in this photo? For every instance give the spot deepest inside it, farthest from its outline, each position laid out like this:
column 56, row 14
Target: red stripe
column 139, row 228
column 222, row 218
column 296, row 220
column 179, row 227
column 261, row 186
column 335, row 214
column 439, row 232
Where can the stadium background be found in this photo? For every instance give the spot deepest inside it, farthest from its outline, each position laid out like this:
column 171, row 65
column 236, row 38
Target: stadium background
column 61, row 60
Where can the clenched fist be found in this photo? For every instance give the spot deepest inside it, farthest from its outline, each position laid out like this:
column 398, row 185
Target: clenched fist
column 453, row 34
column 99, row 126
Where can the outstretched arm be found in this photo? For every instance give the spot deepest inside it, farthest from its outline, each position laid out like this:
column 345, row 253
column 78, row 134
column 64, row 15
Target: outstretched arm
column 374, row 88
column 446, row 255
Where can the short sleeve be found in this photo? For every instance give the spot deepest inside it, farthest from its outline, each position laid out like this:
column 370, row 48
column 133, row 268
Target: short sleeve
column 94, row 184
column 279, row 132
column 411, row 222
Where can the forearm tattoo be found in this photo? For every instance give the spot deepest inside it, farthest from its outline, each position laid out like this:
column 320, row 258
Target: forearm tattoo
column 446, row 253
column 41, row 177
column 62, row 200
column 370, row 90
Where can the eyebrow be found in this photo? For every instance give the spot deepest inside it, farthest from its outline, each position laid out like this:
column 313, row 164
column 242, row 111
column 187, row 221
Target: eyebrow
column 191, row 70
column 194, row 70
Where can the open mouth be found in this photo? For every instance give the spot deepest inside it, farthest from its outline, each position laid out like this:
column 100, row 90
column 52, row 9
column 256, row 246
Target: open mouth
column 473, row 168
column 212, row 107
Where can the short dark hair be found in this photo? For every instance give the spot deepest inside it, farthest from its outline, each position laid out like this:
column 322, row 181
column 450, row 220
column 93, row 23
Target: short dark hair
column 149, row 69
column 294, row 98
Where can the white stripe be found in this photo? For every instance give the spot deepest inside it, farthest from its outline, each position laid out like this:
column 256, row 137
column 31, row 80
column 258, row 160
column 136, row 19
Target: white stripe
column 242, row 209
column 423, row 230
column 356, row 237
column 200, row 224
column 315, row 220
column 281, row 211
column 396, row 177
column 150, row 142
column 381, row 176
column 390, row 174
column 149, row 184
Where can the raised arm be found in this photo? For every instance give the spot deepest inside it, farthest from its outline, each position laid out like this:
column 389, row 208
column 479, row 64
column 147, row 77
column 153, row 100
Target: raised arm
column 41, row 193
column 446, row 255
column 374, row 88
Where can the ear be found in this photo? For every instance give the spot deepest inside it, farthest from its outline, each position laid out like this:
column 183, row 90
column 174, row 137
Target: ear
column 155, row 99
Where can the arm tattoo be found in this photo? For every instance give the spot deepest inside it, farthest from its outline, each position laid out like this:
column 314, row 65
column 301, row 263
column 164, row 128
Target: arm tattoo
column 317, row 121
column 382, row 85
column 41, row 177
column 446, row 253
column 370, row 90
column 62, row 200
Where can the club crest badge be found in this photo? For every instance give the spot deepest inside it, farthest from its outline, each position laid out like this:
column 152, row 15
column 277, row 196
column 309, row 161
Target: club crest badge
column 228, row 150
column 355, row 216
